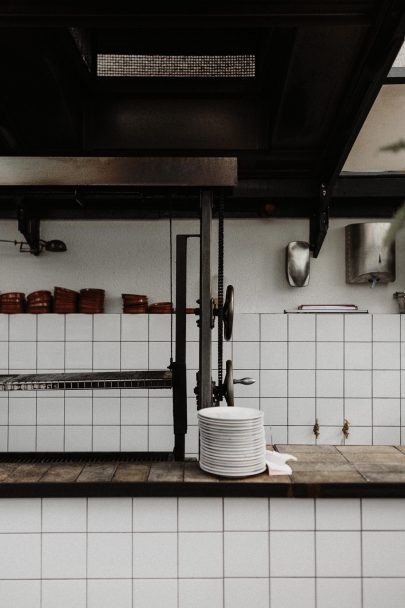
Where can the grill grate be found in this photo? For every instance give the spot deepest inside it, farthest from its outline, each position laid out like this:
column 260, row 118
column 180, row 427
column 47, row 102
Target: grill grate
column 176, row 66
column 83, row 457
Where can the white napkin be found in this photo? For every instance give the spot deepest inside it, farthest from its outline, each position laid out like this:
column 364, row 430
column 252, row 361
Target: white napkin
column 277, row 463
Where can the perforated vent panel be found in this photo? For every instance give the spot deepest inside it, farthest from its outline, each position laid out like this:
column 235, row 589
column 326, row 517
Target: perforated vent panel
column 176, row 66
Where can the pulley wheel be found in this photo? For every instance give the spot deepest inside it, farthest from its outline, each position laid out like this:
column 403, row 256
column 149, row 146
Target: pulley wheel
column 228, row 313
column 228, row 384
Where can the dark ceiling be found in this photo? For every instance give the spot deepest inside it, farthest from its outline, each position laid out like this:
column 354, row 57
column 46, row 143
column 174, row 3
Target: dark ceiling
column 318, row 68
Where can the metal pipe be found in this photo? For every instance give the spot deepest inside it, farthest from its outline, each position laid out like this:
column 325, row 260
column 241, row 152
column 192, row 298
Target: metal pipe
column 205, row 380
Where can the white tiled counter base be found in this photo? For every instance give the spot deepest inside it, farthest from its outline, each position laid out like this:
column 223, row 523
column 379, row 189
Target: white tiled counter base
column 307, row 367
column 202, row 553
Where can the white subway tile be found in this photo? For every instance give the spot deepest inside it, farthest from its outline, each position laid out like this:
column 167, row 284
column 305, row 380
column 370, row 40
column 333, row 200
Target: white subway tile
column 106, row 355
column 201, row 593
column 330, row 435
column 297, row 514
column 200, row 514
column 360, row 436
column 134, row 328
column 358, row 355
column 338, row 592
column 109, row 515
column 301, row 327
column 4, row 327
column 359, row 411
column 50, row 355
column 20, row 515
column 246, row 514
column 338, row 514
column 109, row 555
column 50, row 410
column 22, row 355
column 192, row 354
column 148, row 593
column 273, row 383
column 107, row 593
column 22, row 410
column 384, row 553
column 21, row 438
column 160, row 410
column 329, row 411
column 301, row 355
column 106, row 410
column 23, row 328
column 3, row 438
column 386, row 412
column 301, row 434
column 51, row 328
column 246, row 554
column 386, row 328
column 275, row 434
column 329, row 328
column 386, row 435
column 386, row 355
column 383, row 514
column 159, row 355
column 357, row 383
column 134, row 355
column 191, row 443
column 192, row 331
column 292, row 553
column 107, row 327
column 329, row 355
column 155, row 555
column 161, row 438
column 4, row 356
column 64, row 594
column 204, row 562
column 243, row 592
column 378, row 592
column 4, row 412
column 273, row 355
column 78, row 438
column 151, row 515
column 301, row 383
column 22, row 594
column 251, row 390
column 246, row 355
column 134, row 438
column 78, row 410
column 160, row 328
column 106, row 438
column 79, row 328
column 78, row 355
column 386, row 384
column 338, row 554
column 358, row 328
column 292, row 592
column 64, row 514
column 20, row 556
column 301, row 410
column 134, row 410
column 246, row 328
column 274, row 409
column 50, row 438
column 273, row 327
column 64, row 555
column 329, row 383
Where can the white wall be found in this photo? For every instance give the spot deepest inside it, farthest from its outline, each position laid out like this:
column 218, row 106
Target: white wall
column 134, row 257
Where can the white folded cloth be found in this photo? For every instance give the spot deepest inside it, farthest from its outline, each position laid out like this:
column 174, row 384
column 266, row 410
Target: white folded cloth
column 277, row 463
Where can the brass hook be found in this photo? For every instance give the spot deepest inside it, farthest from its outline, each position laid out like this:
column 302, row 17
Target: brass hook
column 345, row 428
column 316, row 429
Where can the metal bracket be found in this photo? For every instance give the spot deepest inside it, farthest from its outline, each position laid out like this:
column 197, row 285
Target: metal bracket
column 28, row 225
column 319, row 222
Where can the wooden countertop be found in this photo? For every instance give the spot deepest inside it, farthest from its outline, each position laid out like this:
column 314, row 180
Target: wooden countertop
column 321, row 471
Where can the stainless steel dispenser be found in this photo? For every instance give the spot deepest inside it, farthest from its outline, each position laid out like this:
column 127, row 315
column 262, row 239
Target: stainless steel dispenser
column 368, row 259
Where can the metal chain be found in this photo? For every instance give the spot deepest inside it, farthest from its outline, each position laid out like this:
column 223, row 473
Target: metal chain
column 171, row 281
column 220, row 290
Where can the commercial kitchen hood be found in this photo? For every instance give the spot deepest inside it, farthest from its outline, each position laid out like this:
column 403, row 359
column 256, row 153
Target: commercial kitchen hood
column 283, row 86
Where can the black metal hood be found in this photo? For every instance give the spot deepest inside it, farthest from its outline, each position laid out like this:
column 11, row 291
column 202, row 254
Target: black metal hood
column 284, row 86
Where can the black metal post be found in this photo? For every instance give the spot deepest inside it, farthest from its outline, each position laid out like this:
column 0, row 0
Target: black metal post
column 205, row 384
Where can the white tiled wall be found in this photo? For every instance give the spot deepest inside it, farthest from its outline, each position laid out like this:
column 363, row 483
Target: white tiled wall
column 202, row 553
column 307, row 367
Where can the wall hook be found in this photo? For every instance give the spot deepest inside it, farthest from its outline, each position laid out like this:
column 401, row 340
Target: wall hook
column 316, row 429
column 345, row 428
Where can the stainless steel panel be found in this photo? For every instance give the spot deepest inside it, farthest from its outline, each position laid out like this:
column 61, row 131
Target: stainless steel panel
column 368, row 259
column 117, row 171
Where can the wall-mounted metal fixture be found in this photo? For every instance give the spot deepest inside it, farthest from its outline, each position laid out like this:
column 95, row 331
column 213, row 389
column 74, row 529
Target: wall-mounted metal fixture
column 29, row 226
column 298, row 263
column 399, row 296
column 368, row 259
column 316, row 429
column 345, row 428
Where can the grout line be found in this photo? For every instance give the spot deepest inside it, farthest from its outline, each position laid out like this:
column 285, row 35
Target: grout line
column 288, row 383
column 344, row 376
column 372, row 379
column 316, row 374
column 361, row 556
column 41, row 561
column 315, row 557
column 87, row 551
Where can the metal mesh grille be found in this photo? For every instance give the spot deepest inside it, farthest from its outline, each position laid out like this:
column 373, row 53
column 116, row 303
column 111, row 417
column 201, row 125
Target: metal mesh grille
column 176, row 66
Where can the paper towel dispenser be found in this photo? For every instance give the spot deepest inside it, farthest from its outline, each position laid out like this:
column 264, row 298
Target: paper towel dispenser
column 368, row 259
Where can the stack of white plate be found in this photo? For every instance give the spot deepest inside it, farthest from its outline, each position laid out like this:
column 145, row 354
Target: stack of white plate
column 232, row 441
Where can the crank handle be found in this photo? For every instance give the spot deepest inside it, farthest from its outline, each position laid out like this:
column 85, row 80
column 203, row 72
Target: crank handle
column 245, row 381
